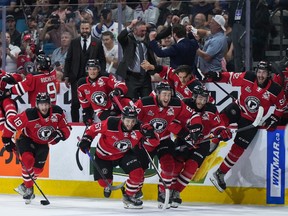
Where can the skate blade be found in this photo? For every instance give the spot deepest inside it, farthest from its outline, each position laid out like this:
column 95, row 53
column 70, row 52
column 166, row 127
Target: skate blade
column 215, row 183
column 130, row 206
column 28, row 201
column 174, row 205
column 161, row 205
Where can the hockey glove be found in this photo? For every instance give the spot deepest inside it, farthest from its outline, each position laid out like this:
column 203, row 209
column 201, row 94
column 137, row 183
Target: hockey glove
column 9, row 79
column 223, row 134
column 9, row 145
column 116, row 92
column 214, row 76
column 147, row 130
column 55, row 137
column 271, row 123
column 88, row 116
column 85, row 143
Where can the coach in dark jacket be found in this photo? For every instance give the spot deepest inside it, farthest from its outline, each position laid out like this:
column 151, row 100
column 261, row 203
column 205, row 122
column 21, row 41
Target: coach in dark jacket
column 80, row 50
column 134, row 42
column 182, row 52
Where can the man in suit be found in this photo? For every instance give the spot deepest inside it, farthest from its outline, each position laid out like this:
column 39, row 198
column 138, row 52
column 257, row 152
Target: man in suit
column 182, row 52
column 80, row 50
column 133, row 40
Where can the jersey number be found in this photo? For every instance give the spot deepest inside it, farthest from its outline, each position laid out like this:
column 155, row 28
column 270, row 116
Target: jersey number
column 51, row 90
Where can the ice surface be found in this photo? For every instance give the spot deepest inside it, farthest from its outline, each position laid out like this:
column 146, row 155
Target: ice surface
column 67, row 206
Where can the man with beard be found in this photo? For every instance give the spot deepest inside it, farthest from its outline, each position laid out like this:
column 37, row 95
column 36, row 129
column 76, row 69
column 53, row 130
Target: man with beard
column 133, row 40
column 80, row 50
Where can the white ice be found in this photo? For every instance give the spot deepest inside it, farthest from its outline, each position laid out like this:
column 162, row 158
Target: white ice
column 67, row 206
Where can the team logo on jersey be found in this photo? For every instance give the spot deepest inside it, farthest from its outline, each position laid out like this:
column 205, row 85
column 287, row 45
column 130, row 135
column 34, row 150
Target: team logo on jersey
column 99, row 98
column 44, row 132
column 134, row 135
column 180, row 96
column 86, row 92
column 37, row 125
column 100, row 82
column 170, row 111
column 150, row 113
column 248, row 89
column 159, row 124
column 205, row 116
column 266, row 95
column 54, row 118
column 123, row 145
column 252, row 104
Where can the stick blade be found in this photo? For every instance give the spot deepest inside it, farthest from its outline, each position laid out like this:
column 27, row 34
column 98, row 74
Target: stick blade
column 258, row 117
column 117, row 187
column 44, row 202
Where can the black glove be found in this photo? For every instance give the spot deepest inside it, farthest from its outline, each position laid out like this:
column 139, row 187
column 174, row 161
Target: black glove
column 271, row 123
column 85, row 143
column 87, row 116
column 9, row 79
column 9, row 145
column 148, row 131
column 116, row 92
column 56, row 136
column 214, row 76
column 223, row 134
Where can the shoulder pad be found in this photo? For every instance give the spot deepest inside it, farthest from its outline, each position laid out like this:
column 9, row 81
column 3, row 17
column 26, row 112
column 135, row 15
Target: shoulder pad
column 81, row 81
column 149, row 100
column 193, row 84
column 113, row 122
column 32, row 113
column 251, row 76
column 275, row 88
column 175, row 101
column 210, row 107
column 189, row 102
column 57, row 109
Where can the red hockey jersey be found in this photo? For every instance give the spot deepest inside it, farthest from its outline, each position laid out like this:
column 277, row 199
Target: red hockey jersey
column 114, row 142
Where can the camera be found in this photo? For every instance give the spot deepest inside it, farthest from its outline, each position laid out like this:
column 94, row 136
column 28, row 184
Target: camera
column 55, row 21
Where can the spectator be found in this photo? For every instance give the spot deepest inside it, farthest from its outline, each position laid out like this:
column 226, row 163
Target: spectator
column 41, row 12
column 80, row 50
column 12, row 55
column 106, row 24
column 59, row 55
column 11, row 28
column 10, row 4
column 202, row 7
column 215, row 46
column 135, row 49
column 181, row 53
column 111, row 51
column 127, row 13
column 147, row 12
column 33, row 29
column 63, row 10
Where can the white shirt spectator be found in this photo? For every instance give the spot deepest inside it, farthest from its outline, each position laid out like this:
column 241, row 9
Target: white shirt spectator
column 149, row 15
column 112, row 28
column 11, row 65
column 112, row 54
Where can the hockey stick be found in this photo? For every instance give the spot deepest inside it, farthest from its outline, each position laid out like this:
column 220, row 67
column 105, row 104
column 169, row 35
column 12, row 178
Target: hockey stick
column 43, row 202
column 256, row 123
column 167, row 192
column 111, row 187
column 77, row 152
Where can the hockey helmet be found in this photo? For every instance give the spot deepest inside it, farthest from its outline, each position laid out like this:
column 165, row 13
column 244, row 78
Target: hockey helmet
column 43, row 98
column 200, row 90
column 264, row 65
column 43, row 62
column 129, row 112
column 93, row 63
column 162, row 86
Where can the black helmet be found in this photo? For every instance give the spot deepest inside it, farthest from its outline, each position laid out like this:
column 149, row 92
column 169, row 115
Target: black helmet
column 200, row 90
column 264, row 65
column 161, row 86
column 93, row 63
column 43, row 62
column 43, row 98
column 129, row 112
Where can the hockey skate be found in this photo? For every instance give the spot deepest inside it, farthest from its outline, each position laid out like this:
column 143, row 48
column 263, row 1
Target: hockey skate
column 161, row 200
column 29, row 195
column 107, row 192
column 176, row 200
column 21, row 189
column 131, row 202
column 139, row 194
column 218, row 181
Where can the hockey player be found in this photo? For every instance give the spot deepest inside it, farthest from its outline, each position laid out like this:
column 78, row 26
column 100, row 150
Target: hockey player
column 8, row 106
column 42, row 125
column 95, row 93
column 118, row 136
column 166, row 114
column 42, row 81
column 257, row 89
column 188, row 158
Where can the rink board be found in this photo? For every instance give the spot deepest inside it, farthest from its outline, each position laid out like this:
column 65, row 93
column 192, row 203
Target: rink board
column 246, row 182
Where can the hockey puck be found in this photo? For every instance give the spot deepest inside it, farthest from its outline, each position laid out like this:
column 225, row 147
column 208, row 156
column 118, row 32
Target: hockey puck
column 44, row 202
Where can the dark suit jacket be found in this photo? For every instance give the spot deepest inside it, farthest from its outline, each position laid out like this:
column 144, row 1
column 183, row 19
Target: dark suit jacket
column 182, row 53
column 129, row 44
column 72, row 61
